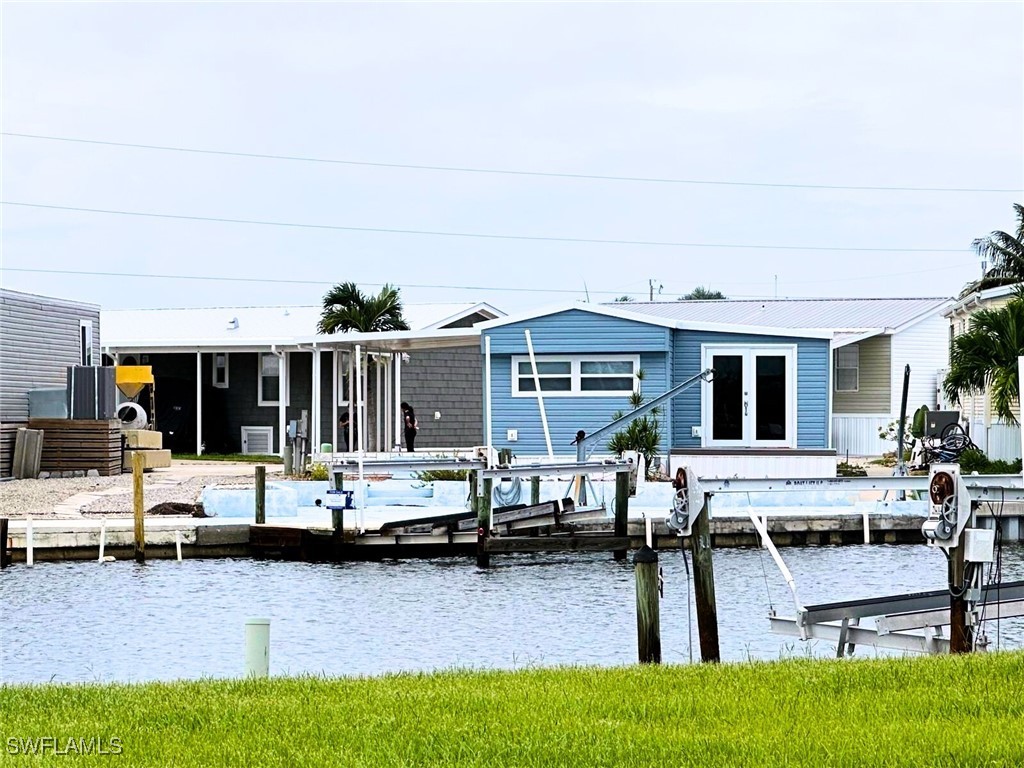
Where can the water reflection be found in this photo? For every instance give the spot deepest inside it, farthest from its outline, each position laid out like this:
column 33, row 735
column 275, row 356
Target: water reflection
column 167, row 620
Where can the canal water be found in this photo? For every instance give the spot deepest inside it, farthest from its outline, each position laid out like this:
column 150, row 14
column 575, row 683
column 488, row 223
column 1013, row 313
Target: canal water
column 68, row 622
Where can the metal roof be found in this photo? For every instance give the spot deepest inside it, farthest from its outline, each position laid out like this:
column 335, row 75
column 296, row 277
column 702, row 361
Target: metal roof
column 232, row 326
column 837, row 315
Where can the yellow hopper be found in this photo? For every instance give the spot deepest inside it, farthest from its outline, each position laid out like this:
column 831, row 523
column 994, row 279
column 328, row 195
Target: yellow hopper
column 131, row 379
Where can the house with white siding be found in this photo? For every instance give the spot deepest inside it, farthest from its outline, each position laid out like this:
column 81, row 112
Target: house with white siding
column 765, row 412
column 871, row 340
column 996, row 438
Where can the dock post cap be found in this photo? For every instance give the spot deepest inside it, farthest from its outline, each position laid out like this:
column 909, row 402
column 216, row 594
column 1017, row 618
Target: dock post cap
column 249, row 622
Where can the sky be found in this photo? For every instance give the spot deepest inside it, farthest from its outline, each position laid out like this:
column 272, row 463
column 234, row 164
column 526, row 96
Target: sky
column 920, row 95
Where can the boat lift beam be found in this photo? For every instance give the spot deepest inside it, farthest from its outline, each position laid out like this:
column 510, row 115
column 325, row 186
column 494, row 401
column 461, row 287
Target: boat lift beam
column 981, row 487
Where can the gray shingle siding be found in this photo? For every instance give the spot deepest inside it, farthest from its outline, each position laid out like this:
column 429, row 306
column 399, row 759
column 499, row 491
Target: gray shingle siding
column 449, row 381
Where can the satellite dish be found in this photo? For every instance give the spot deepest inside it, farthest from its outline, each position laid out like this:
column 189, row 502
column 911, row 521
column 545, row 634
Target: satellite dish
column 132, row 415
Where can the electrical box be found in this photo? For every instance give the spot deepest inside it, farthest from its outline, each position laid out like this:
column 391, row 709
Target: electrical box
column 979, row 545
column 695, row 430
column 512, row 435
column 437, row 415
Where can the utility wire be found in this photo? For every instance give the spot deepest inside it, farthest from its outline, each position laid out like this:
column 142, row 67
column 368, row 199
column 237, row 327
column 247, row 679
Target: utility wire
column 503, row 171
column 477, row 235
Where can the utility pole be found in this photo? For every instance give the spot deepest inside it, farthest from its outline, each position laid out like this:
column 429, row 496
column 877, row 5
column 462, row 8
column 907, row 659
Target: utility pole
column 650, row 284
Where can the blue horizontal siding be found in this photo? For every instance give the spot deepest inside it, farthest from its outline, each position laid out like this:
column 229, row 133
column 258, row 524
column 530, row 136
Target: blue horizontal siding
column 576, row 331
column 565, row 415
column 812, row 384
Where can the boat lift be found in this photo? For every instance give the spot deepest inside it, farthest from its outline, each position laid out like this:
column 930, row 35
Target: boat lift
column 908, row 622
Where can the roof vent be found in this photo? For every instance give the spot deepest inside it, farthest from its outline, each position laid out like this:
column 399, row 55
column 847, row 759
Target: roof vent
column 233, row 324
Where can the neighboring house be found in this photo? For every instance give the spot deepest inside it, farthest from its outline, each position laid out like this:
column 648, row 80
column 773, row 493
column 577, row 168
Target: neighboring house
column 230, row 379
column 872, row 341
column 766, row 413
column 40, row 337
column 996, row 438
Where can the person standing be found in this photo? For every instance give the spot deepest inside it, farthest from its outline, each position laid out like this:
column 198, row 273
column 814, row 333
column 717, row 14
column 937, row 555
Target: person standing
column 411, row 427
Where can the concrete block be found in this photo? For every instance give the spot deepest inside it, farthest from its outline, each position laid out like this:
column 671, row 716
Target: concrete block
column 43, row 475
column 152, row 459
column 92, row 473
column 143, row 438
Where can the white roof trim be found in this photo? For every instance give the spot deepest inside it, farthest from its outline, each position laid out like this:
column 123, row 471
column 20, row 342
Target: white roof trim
column 978, row 298
column 854, row 338
column 938, row 309
column 685, row 325
column 483, row 308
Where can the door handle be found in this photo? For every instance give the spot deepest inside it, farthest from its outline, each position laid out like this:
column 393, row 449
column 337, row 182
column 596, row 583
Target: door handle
column 745, row 404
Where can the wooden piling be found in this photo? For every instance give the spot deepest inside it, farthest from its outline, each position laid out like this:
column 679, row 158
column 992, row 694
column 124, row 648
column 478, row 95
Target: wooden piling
column 4, row 558
column 704, row 584
column 621, row 509
column 960, row 640
column 138, row 463
column 261, row 495
column 483, row 523
column 648, row 619
column 534, row 491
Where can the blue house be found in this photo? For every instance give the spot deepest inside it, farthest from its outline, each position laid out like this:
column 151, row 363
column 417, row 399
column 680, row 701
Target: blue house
column 766, row 412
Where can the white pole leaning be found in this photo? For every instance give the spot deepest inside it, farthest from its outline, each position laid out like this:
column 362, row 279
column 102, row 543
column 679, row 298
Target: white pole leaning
column 489, row 441
column 177, row 544
column 103, row 537
column 257, row 648
column 540, row 397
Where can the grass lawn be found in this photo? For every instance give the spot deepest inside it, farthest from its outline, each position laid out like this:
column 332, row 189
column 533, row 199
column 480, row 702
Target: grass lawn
column 957, row 711
column 248, row 458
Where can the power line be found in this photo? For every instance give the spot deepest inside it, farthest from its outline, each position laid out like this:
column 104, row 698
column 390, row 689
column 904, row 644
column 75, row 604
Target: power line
column 508, row 289
column 502, row 171
column 479, row 235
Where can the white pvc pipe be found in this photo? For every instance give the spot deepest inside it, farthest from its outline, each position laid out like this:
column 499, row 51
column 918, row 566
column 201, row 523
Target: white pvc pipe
column 177, row 544
column 377, row 402
column 257, row 648
column 488, row 438
column 103, row 537
column 770, row 545
column 29, row 557
column 317, row 408
column 282, row 417
column 649, row 526
column 867, row 528
column 540, row 397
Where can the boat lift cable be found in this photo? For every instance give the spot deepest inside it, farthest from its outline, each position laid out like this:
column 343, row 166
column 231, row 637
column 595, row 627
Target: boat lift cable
column 995, row 571
column 760, row 554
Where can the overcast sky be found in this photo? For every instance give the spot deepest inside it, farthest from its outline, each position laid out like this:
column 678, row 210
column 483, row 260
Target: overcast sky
column 852, row 94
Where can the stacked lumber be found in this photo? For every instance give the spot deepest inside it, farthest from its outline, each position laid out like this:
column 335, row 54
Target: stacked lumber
column 80, row 445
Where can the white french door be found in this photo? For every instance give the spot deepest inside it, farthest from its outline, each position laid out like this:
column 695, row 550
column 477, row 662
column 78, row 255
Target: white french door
column 751, row 400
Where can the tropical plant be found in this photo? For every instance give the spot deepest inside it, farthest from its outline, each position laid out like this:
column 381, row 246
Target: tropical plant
column 346, row 308
column 700, row 293
column 624, row 299
column 643, row 434
column 1004, row 255
column 985, row 357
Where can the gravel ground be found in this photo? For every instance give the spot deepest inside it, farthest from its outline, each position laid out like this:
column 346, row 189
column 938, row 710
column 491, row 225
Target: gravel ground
column 38, row 498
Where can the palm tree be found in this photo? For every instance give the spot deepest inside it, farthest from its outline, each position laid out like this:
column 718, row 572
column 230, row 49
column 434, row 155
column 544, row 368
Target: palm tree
column 346, row 308
column 1004, row 255
column 700, row 293
column 986, row 357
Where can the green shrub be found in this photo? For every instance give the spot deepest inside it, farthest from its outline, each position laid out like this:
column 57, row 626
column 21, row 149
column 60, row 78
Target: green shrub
column 318, row 471
column 434, row 475
column 975, row 460
column 845, row 469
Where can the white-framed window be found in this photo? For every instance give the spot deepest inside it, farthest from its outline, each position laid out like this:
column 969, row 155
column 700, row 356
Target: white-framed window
column 85, row 341
column 576, row 375
column 220, row 370
column 848, row 368
column 344, row 376
column 269, row 381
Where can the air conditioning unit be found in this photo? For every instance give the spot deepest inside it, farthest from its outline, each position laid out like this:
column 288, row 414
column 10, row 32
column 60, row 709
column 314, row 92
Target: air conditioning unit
column 257, row 440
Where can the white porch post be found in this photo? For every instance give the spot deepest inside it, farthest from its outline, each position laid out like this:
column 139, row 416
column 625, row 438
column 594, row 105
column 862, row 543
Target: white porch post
column 282, row 400
column 487, row 394
column 199, row 403
column 377, row 402
column 399, row 432
column 335, row 361
column 316, row 406
column 360, row 425
column 388, row 381
column 352, row 415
